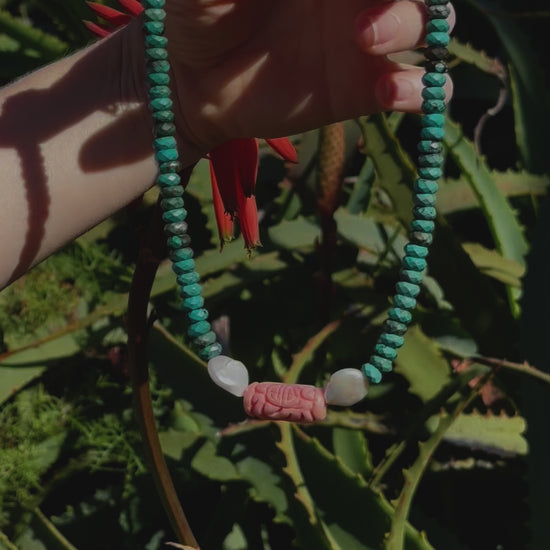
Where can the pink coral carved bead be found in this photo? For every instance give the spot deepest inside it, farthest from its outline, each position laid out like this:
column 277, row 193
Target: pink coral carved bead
column 291, row 402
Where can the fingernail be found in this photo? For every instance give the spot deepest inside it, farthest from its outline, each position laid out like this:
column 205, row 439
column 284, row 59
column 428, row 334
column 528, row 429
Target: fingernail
column 389, row 92
column 375, row 30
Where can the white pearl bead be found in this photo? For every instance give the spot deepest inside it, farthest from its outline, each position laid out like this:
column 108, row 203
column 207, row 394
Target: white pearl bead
column 229, row 374
column 346, row 387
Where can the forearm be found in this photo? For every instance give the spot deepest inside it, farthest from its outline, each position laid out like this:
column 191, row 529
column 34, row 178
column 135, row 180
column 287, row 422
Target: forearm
column 75, row 146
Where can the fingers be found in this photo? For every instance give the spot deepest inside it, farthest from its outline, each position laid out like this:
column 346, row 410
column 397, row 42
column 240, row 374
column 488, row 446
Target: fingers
column 392, row 27
column 400, row 89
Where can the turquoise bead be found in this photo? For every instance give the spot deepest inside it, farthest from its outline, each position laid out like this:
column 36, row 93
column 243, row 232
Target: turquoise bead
column 424, row 199
column 211, row 351
column 183, row 266
column 425, row 186
column 170, row 167
column 436, row 2
column 410, row 276
column 383, row 364
column 171, row 204
column 164, row 129
column 178, row 241
column 434, row 79
column 199, row 328
column 411, row 290
column 433, row 92
column 395, row 327
column 154, row 27
column 154, row 14
column 174, row 216
column 404, row 302
column 385, row 352
column 156, row 41
column 193, row 289
column 399, row 315
column 419, row 237
column 156, row 53
column 432, row 161
column 426, row 226
column 414, row 264
column 161, row 104
column 158, row 79
column 181, row 254
column 194, row 302
column 176, row 228
column 428, row 146
column 171, row 192
column 438, row 39
column 432, row 132
column 159, row 91
column 168, row 180
column 163, row 116
column 433, row 106
column 432, row 120
column 424, row 212
column 198, row 315
column 164, row 155
column 371, row 373
column 205, row 339
column 430, row 172
column 164, row 142
column 153, row 3
column 391, row 340
column 186, row 279
column 158, row 66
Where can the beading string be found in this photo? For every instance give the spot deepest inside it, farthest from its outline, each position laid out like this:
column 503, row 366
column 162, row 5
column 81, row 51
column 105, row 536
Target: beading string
column 430, row 169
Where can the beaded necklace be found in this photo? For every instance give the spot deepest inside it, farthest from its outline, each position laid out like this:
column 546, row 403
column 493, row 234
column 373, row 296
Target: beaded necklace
column 272, row 400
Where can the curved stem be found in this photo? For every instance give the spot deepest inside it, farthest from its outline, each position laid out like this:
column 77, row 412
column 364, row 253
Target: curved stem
column 138, row 300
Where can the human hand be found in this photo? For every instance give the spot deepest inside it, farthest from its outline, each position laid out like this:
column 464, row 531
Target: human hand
column 267, row 68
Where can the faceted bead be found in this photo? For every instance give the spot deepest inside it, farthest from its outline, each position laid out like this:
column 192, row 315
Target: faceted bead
column 383, row 364
column 168, row 180
column 164, row 155
column 153, row 3
column 154, row 27
column 434, row 2
column 425, row 186
column 433, row 92
column 199, row 328
column 158, row 66
column 159, row 91
column 403, row 302
column 423, row 225
column 156, row 53
column 171, row 204
column 433, row 106
column 424, row 199
column 428, row 146
column 228, row 374
column 171, row 192
column 434, row 79
column 424, row 212
column 430, row 160
column 165, row 142
column 198, row 315
column 178, row 241
column 436, row 53
column 164, row 129
column 419, row 237
column 399, row 315
column 193, row 289
column 161, row 104
column 395, row 327
column 411, row 276
column 415, row 264
column 391, row 340
column 181, row 254
column 211, row 351
column 176, row 228
column 188, row 278
column 170, row 167
column 205, row 339
column 163, row 116
column 371, row 373
column 436, row 66
column 412, row 290
column 154, row 14
column 430, row 172
column 158, row 79
column 194, row 302
column 439, row 39
column 438, row 11
column 346, row 387
column 156, row 41
column 183, row 266
column 176, row 215
column 432, row 120
column 432, row 132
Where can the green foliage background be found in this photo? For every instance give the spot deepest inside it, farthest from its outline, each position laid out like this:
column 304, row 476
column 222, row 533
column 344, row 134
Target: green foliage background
column 450, row 452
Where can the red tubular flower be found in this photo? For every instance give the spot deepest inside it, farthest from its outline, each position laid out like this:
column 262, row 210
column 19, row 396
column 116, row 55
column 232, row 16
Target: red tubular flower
column 233, row 165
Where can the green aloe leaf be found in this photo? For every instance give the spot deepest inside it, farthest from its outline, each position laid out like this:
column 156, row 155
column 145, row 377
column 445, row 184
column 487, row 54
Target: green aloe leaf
column 350, row 446
column 213, row 466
